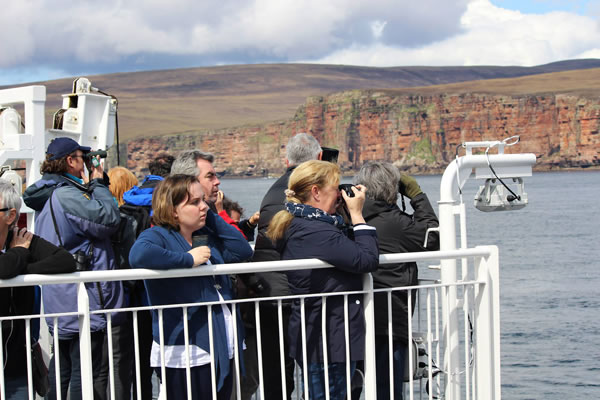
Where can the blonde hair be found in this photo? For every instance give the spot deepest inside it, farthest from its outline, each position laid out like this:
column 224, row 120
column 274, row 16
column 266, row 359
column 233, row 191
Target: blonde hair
column 303, row 178
column 121, row 180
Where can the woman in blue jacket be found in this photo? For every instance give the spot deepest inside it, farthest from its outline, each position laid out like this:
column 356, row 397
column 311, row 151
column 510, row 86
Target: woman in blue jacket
column 180, row 212
column 310, row 228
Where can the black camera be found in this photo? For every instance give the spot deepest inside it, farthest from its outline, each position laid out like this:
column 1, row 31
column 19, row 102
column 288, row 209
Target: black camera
column 82, row 261
column 330, row 154
column 347, row 187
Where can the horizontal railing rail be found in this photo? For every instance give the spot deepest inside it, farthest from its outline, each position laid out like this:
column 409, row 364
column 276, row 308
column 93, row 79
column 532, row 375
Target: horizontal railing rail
column 225, row 269
column 478, row 306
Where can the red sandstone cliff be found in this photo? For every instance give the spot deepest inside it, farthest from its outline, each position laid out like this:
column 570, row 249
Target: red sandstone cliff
column 421, row 132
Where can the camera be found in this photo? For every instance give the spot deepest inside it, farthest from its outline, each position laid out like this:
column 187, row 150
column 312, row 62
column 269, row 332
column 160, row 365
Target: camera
column 330, row 154
column 347, row 187
column 82, row 261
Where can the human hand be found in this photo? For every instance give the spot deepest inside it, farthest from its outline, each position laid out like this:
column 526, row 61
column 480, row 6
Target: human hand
column 254, row 218
column 201, row 255
column 21, row 238
column 408, row 186
column 219, row 201
column 97, row 168
column 355, row 204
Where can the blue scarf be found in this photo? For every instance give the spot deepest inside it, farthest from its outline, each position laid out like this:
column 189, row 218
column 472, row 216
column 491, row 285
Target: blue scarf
column 309, row 212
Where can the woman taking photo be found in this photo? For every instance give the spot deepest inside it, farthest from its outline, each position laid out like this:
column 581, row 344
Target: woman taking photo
column 310, row 228
column 180, row 212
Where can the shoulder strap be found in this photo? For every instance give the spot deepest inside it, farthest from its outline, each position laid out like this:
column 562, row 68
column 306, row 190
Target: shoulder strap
column 54, row 221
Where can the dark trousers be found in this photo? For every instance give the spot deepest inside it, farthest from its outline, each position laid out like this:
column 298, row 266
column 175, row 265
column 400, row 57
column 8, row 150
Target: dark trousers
column 382, row 365
column 145, row 346
column 201, row 384
column 271, row 362
column 123, row 358
column 70, row 368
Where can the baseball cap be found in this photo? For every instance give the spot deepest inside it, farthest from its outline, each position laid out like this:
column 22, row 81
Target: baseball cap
column 63, row 146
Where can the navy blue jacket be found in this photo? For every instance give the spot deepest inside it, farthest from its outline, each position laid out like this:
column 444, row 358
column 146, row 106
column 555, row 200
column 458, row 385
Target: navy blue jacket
column 161, row 248
column 351, row 258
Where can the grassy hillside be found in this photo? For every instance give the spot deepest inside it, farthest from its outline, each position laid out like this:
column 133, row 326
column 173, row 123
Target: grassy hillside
column 175, row 101
column 585, row 83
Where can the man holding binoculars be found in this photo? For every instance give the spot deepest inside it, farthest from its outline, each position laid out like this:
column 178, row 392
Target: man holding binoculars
column 77, row 212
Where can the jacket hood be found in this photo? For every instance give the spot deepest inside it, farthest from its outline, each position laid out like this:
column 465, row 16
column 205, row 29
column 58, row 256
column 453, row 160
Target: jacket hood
column 139, row 196
column 36, row 195
column 372, row 208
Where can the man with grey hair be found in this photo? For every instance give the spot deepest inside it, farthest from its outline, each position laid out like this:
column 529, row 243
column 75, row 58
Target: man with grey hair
column 200, row 165
column 300, row 148
column 397, row 232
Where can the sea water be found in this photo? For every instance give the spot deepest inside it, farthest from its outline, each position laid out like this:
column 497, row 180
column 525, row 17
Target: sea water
column 550, row 279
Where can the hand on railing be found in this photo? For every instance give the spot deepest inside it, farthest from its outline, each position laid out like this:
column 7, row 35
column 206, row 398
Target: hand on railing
column 201, row 255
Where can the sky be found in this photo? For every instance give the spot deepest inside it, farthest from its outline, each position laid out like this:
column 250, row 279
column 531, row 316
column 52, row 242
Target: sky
column 50, row 39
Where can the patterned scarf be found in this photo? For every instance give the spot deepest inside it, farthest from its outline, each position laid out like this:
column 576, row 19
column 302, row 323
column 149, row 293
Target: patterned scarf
column 309, row 212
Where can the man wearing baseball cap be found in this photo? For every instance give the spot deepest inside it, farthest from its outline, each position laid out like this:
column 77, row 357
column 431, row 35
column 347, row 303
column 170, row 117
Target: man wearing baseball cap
column 78, row 213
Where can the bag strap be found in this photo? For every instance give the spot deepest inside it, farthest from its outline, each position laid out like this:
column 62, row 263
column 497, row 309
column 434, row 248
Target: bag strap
column 54, row 222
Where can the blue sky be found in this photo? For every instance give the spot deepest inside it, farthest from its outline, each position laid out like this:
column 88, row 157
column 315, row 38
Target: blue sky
column 42, row 41
column 581, row 7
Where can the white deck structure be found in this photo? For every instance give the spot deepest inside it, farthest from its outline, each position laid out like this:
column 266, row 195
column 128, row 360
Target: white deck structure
column 457, row 320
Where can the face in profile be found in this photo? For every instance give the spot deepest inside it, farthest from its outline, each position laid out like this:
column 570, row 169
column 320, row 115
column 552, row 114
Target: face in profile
column 191, row 213
column 208, row 179
column 329, row 198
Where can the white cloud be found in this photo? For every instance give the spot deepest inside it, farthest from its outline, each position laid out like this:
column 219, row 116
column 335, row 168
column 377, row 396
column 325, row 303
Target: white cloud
column 121, row 35
column 491, row 36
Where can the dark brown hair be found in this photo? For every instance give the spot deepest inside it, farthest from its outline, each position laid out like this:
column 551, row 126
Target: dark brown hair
column 54, row 166
column 171, row 192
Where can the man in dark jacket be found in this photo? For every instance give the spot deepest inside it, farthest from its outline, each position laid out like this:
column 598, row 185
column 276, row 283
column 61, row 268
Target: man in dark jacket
column 398, row 232
column 79, row 215
column 301, row 147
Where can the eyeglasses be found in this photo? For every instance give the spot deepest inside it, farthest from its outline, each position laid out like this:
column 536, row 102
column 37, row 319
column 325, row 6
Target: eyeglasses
column 80, row 155
column 4, row 209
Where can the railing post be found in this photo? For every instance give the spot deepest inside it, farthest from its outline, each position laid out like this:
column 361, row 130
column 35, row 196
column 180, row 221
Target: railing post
column 370, row 389
column 85, row 342
column 487, row 323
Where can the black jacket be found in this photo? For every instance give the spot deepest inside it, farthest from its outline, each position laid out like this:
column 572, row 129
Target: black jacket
column 399, row 232
column 41, row 257
column 274, row 283
column 351, row 258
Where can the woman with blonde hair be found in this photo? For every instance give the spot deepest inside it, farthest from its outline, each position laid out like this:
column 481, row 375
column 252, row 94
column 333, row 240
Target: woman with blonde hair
column 311, row 228
column 121, row 180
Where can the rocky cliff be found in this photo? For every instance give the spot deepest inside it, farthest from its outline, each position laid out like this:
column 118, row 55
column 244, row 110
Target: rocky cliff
column 420, row 132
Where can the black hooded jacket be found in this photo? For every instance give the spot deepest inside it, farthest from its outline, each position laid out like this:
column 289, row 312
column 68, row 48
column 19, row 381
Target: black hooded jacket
column 399, row 232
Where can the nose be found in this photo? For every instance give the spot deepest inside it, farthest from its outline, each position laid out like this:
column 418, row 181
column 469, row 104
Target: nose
column 203, row 206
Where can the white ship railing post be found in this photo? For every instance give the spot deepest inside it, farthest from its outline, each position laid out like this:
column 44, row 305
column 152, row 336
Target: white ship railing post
column 370, row 387
column 449, row 276
column 85, row 342
column 453, row 179
column 487, row 321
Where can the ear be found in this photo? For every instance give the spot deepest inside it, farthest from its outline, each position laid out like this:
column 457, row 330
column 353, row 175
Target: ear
column 11, row 216
column 315, row 192
column 320, row 156
column 287, row 163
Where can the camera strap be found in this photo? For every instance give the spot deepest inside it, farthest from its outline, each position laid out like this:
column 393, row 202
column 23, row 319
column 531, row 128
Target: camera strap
column 54, row 221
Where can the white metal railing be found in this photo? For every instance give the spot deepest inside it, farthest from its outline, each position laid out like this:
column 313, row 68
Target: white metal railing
column 477, row 304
